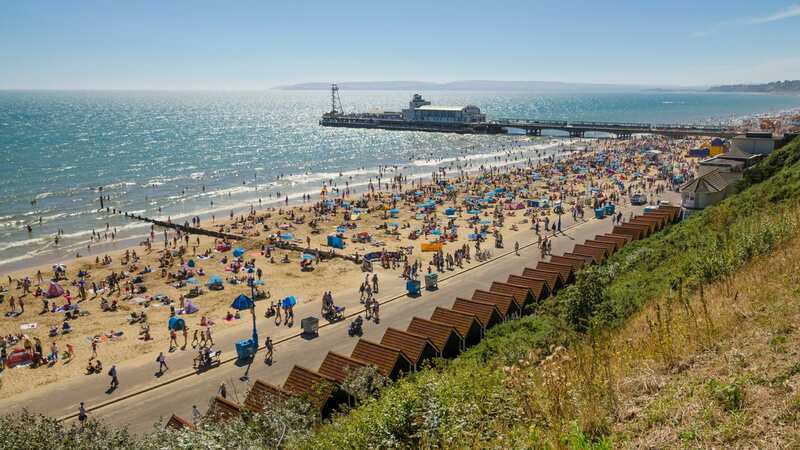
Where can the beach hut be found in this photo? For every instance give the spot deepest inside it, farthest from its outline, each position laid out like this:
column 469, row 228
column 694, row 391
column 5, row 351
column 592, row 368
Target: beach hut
column 445, row 337
column 414, row 347
column 262, row 394
column 391, row 363
column 488, row 314
column 467, row 324
column 338, row 367
column 322, row 392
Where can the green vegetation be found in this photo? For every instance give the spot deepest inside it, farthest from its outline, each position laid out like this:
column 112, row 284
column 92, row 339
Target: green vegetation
column 552, row 379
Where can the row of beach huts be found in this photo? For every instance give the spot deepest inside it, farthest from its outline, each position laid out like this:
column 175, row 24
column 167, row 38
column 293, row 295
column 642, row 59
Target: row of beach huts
column 447, row 332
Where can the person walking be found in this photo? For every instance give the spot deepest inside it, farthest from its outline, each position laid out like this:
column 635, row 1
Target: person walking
column 223, row 391
column 112, row 372
column 196, row 416
column 516, row 248
column 162, row 363
column 269, row 349
column 82, row 415
column 173, row 340
column 209, row 339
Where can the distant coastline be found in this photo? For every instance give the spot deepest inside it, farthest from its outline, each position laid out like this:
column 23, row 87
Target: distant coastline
column 788, row 87
column 475, row 85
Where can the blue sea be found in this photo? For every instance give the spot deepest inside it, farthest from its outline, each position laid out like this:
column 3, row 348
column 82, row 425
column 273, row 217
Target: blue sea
column 171, row 154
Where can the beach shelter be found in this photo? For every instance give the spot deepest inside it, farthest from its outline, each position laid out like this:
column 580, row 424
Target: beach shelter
column 190, row 263
column 242, row 302
column 394, row 212
column 192, row 280
column 341, row 229
column 54, row 290
column 215, row 280
column 335, row 241
column 176, row 323
column 238, row 251
column 287, row 236
column 450, row 211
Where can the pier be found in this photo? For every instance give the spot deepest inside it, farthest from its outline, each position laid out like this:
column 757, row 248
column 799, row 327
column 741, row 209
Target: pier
column 532, row 127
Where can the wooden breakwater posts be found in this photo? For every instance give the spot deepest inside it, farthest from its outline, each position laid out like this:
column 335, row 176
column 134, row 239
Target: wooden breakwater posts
column 320, row 254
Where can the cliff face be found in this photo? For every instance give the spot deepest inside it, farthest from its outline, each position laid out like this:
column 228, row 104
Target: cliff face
column 775, row 87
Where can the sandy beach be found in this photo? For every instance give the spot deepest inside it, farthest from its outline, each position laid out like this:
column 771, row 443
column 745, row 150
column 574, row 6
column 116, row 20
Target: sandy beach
column 390, row 217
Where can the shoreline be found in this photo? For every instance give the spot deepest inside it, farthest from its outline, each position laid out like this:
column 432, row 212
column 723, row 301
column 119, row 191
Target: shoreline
column 134, row 241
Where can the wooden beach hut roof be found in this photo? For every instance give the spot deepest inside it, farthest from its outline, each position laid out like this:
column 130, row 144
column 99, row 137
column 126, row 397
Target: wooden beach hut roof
column 487, row 313
column 599, row 253
column 587, row 259
column 577, row 262
column 634, row 232
column 179, row 423
column 553, row 278
column 305, row 382
column 506, row 303
column 523, row 295
column 262, row 394
column 338, row 367
column 390, row 362
column 539, row 287
column 445, row 337
column 222, row 410
column 618, row 239
column 625, row 237
column 415, row 347
column 654, row 223
column 468, row 325
column 566, row 271
column 610, row 247
column 645, row 227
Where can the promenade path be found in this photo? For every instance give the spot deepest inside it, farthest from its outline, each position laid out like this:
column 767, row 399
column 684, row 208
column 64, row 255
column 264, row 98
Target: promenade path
column 143, row 399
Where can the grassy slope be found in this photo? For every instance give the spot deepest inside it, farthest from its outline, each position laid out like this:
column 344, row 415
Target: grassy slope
column 478, row 399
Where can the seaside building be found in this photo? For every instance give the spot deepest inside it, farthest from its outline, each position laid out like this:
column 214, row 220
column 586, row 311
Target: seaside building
column 421, row 110
column 717, row 177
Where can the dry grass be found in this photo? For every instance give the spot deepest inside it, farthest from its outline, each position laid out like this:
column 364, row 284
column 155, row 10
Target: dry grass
column 719, row 367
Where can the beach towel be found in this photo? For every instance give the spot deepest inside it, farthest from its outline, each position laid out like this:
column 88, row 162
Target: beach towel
column 28, row 326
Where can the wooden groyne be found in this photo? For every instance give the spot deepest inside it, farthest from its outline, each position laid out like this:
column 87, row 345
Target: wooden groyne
column 320, row 254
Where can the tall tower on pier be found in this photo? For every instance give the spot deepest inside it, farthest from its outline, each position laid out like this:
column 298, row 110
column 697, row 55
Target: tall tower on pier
column 335, row 101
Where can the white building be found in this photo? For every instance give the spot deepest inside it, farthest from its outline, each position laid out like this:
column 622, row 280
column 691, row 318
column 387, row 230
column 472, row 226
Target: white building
column 421, row 110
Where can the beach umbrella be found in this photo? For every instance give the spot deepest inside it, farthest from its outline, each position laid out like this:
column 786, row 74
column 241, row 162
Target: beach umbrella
column 307, row 257
column 176, row 323
column 289, row 301
column 242, row 302
column 192, row 280
column 258, row 282
column 238, row 251
column 436, row 232
column 287, row 236
column 474, row 211
column 216, row 279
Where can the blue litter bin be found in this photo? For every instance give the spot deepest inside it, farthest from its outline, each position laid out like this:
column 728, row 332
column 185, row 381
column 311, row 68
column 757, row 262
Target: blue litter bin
column 413, row 287
column 599, row 213
column 246, row 349
column 609, row 209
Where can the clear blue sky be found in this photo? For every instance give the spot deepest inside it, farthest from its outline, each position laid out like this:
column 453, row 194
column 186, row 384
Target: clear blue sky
column 260, row 44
